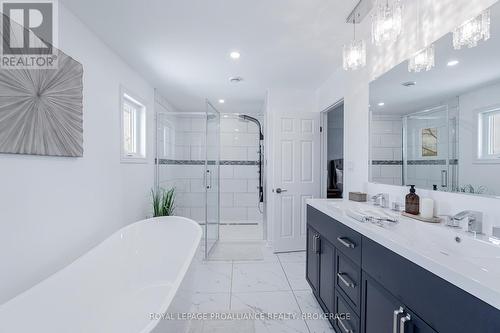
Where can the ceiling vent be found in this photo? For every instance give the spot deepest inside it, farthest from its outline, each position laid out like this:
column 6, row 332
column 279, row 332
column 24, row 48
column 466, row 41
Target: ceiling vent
column 409, row 84
column 235, row 79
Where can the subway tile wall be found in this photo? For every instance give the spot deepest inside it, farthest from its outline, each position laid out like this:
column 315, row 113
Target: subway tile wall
column 239, row 183
column 387, row 149
column 182, row 138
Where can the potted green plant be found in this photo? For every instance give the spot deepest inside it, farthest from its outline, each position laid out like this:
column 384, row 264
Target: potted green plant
column 163, row 202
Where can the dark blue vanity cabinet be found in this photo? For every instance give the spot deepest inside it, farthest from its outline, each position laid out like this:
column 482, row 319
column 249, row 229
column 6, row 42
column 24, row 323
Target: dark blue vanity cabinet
column 382, row 291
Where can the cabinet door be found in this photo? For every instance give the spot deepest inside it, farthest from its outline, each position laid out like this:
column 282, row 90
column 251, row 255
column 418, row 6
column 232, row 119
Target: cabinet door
column 383, row 313
column 411, row 323
column 327, row 274
column 378, row 309
column 312, row 264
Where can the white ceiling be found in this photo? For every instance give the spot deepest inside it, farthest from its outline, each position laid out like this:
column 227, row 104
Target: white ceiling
column 478, row 66
column 183, row 46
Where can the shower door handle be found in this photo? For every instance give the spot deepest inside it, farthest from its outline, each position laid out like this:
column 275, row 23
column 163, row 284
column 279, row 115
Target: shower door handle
column 444, row 178
column 208, row 180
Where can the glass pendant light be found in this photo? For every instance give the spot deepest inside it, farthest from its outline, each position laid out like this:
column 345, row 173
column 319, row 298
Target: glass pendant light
column 354, row 53
column 387, row 21
column 422, row 60
column 472, row 31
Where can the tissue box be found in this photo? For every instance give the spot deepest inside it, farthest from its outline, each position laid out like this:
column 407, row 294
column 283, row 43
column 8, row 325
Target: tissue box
column 358, row 196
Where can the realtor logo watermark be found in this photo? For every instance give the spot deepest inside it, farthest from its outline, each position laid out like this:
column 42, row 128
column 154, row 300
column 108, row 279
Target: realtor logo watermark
column 29, row 34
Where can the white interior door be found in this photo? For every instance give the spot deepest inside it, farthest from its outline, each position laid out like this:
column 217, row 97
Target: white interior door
column 296, row 177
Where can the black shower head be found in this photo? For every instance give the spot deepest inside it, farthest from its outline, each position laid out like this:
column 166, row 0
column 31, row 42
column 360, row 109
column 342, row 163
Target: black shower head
column 253, row 120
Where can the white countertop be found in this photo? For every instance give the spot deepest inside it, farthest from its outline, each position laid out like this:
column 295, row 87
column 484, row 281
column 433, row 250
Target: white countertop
column 472, row 264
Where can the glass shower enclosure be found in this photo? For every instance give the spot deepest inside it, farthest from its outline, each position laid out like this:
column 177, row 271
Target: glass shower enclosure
column 188, row 160
column 430, row 152
column 212, row 178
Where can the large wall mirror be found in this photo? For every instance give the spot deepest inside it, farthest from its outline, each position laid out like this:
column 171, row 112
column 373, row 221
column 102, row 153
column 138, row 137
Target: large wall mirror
column 440, row 129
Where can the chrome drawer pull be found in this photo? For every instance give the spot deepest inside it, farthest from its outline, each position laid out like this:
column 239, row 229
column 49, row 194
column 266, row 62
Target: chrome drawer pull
column 346, row 280
column 316, row 244
column 346, row 242
column 404, row 320
column 344, row 327
column 396, row 317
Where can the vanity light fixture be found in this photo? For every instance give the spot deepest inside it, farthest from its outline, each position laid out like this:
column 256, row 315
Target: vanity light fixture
column 452, row 63
column 472, row 31
column 354, row 53
column 235, row 55
column 423, row 60
column 387, row 21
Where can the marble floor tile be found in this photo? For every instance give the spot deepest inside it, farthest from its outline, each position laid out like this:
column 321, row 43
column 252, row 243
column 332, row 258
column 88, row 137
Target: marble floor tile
column 296, row 275
column 219, row 326
column 271, row 302
column 259, row 277
column 310, row 307
column 210, row 302
column 292, row 257
column 239, row 251
column 212, row 277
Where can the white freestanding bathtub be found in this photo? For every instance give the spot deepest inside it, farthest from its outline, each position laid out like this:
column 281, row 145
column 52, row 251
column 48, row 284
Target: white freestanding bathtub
column 114, row 288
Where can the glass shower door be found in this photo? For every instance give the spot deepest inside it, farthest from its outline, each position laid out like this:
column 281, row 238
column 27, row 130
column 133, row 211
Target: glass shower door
column 212, row 178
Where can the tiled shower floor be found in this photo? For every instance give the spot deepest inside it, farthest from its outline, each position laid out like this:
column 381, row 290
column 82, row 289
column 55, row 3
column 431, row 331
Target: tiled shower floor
column 275, row 284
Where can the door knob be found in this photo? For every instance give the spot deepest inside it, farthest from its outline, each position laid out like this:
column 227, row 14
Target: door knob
column 280, row 190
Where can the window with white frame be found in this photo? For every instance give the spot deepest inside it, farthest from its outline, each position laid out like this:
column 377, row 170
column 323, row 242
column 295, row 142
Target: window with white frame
column 133, row 134
column 489, row 135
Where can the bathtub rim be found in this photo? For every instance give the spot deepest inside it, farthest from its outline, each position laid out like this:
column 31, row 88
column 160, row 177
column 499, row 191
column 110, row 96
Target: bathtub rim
column 175, row 283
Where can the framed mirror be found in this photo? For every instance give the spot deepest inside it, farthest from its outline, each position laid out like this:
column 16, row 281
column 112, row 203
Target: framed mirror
column 440, row 129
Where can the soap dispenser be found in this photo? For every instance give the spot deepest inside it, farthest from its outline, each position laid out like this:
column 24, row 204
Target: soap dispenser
column 412, row 202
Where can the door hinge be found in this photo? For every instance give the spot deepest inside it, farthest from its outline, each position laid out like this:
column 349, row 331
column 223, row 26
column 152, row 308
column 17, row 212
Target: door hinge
column 321, row 129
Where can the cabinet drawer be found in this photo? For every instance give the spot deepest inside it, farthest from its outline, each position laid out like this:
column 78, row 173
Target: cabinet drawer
column 348, row 324
column 348, row 242
column 348, row 279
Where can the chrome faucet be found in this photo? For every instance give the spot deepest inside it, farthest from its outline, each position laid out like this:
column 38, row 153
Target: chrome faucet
column 474, row 221
column 381, row 199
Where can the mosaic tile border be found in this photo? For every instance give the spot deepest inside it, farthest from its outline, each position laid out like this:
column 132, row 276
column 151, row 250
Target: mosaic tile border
column 200, row 162
column 415, row 162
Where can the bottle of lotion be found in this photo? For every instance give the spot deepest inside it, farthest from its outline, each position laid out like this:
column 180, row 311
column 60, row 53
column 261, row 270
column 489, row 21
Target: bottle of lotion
column 412, row 202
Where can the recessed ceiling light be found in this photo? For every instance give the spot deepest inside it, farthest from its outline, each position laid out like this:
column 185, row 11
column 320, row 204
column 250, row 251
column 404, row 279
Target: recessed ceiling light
column 381, row 104
column 235, row 55
column 452, row 63
column 221, row 101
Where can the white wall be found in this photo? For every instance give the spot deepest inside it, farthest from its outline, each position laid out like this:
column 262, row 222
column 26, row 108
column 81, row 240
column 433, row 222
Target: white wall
column 53, row 210
column 471, row 172
column 439, row 18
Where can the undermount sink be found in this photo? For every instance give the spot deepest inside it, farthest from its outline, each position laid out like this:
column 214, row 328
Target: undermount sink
column 364, row 212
